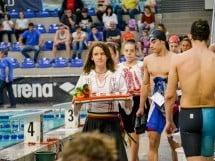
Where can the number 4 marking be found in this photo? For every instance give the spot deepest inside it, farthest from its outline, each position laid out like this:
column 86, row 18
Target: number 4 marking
column 31, row 128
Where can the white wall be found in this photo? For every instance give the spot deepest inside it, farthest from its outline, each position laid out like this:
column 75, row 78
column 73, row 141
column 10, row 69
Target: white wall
column 209, row 4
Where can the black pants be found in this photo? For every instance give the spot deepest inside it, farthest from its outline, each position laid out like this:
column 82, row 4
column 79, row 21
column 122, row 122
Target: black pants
column 9, row 89
column 9, row 34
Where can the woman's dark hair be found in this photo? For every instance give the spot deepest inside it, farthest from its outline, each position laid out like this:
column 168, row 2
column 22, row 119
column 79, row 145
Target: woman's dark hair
column 8, row 16
column 106, row 11
column 113, row 46
column 148, row 7
column 89, row 64
column 163, row 27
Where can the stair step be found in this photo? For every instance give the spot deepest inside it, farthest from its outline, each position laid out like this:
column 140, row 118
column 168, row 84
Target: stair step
column 181, row 6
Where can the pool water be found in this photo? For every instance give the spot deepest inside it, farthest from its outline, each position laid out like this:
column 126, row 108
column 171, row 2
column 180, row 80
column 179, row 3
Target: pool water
column 12, row 131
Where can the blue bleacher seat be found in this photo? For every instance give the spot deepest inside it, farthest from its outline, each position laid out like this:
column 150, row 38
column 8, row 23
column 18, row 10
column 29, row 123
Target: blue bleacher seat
column 29, row 13
column 54, row 13
column 28, row 63
column 44, row 13
column 4, row 46
column 91, row 12
column 76, row 62
column 48, row 45
column 40, row 28
column 13, row 13
column 44, row 63
column 53, row 28
column 16, row 46
column 60, row 62
column 15, row 63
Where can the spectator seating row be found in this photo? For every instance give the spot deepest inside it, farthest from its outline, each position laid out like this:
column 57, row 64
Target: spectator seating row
column 46, row 47
column 31, row 14
column 44, row 13
column 47, row 62
column 52, row 28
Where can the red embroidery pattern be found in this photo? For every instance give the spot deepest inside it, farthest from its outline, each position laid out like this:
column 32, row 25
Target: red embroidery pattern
column 131, row 79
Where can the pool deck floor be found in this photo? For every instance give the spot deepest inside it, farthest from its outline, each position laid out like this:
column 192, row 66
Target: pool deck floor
column 17, row 152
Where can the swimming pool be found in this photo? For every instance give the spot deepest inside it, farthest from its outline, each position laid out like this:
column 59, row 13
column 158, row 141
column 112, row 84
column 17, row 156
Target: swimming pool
column 12, row 131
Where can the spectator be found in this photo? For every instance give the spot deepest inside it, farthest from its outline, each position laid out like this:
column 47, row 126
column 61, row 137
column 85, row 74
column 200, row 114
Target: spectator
column 85, row 20
column 163, row 28
column 69, row 20
column 21, row 25
column 34, row 41
column 152, row 4
column 147, row 20
column 174, row 44
column 7, row 28
column 74, row 6
column 128, row 6
column 109, row 16
column 127, row 34
column 113, row 34
column 91, row 146
column 79, row 38
column 6, row 79
column 139, row 53
column 94, row 36
column 185, row 44
column 146, row 43
column 62, row 37
column 101, row 8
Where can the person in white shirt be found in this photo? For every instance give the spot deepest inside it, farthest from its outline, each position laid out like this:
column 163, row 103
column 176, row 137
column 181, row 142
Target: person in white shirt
column 131, row 70
column 62, row 36
column 21, row 25
column 99, row 74
column 7, row 28
column 101, row 8
column 109, row 17
column 78, row 38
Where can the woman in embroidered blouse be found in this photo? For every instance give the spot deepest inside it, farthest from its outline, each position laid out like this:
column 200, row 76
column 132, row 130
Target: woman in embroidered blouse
column 131, row 69
column 99, row 73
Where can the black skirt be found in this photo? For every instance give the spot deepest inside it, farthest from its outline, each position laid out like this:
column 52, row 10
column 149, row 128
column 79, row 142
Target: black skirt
column 111, row 127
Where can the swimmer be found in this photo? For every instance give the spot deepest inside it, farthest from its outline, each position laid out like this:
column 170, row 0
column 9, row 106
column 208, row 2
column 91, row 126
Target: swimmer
column 156, row 69
column 194, row 70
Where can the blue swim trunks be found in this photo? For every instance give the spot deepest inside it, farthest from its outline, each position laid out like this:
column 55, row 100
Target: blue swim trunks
column 156, row 121
column 197, row 127
column 156, row 118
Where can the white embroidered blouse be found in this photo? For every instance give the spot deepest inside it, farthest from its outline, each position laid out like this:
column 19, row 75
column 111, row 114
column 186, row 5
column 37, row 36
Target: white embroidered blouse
column 113, row 82
column 132, row 75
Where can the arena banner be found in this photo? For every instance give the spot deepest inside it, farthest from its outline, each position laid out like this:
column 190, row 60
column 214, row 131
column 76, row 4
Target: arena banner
column 44, row 89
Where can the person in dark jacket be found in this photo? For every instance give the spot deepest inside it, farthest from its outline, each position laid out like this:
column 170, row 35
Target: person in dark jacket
column 74, row 5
